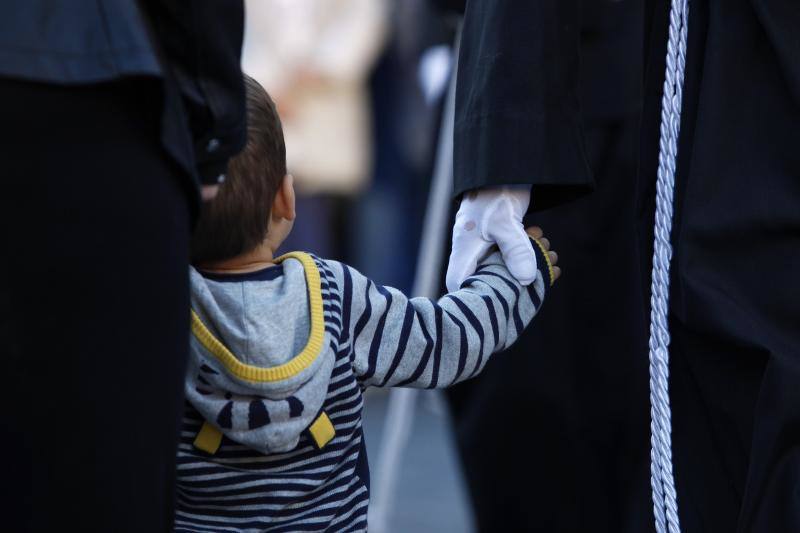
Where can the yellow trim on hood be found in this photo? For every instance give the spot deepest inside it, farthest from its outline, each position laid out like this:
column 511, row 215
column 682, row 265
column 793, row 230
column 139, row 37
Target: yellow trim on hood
column 298, row 363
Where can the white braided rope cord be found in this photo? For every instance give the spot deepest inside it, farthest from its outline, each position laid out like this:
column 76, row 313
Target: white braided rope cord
column 665, row 507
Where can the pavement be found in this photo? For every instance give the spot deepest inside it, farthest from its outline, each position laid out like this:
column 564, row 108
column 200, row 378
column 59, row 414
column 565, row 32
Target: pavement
column 430, row 494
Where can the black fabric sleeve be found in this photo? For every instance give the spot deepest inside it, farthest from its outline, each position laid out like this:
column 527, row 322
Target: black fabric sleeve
column 517, row 111
column 201, row 45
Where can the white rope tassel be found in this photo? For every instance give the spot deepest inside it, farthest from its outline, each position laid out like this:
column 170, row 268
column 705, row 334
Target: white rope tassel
column 665, row 506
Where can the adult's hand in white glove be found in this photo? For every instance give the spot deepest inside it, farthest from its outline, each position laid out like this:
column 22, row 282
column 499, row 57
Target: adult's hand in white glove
column 486, row 217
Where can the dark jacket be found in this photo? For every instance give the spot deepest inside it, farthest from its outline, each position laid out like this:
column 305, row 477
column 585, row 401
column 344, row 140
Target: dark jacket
column 194, row 47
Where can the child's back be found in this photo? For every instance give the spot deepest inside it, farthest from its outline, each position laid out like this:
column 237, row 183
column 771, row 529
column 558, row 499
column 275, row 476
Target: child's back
column 282, row 349
column 291, row 372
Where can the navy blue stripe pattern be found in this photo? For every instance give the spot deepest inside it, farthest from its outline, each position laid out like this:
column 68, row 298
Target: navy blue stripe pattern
column 380, row 338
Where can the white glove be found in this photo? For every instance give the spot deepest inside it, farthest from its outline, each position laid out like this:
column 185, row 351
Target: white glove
column 486, row 217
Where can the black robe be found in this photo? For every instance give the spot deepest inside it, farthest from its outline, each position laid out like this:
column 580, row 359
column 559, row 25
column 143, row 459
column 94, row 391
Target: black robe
column 554, row 434
column 735, row 296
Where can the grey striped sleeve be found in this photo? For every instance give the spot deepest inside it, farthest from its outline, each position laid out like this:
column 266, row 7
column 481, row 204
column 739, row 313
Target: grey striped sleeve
column 418, row 342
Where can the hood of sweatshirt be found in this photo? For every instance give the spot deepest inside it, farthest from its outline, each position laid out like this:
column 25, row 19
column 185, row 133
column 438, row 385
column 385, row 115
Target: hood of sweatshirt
column 260, row 359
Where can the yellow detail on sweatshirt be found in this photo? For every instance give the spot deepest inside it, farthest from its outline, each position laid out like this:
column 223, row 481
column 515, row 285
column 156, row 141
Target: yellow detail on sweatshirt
column 322, row 430
column 208, row 439
column 298, row 363
column 550, row 271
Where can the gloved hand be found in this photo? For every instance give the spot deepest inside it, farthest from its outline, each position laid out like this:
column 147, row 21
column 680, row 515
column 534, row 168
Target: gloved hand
column 486, row 217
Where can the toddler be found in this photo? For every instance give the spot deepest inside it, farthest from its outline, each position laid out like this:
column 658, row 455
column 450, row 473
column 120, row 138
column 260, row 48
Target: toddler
column 282, row 349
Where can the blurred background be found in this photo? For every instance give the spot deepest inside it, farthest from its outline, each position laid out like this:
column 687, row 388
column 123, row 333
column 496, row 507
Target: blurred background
column 360, row 87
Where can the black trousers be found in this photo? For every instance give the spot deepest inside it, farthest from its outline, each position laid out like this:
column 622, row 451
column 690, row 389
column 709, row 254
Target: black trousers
column 94, row 227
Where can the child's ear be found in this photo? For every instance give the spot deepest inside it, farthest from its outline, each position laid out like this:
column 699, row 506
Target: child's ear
column 284, row 204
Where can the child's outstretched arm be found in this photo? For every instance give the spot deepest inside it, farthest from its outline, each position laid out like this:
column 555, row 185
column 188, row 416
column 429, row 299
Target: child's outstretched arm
column 419, row 342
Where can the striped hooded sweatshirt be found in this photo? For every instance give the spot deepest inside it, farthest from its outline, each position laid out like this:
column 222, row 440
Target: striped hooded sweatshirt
column 272, row 437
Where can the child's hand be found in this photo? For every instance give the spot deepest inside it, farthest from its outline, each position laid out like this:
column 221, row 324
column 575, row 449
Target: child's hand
column 537, row 233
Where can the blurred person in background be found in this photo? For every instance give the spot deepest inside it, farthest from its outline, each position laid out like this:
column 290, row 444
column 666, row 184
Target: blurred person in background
column 407, row 88
column 114, row 114
column 314, row 58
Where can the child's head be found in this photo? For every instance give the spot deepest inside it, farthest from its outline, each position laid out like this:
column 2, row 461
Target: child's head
column 257, row 197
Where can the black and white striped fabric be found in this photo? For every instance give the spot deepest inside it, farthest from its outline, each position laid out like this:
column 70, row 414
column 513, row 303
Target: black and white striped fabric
column 380, row 338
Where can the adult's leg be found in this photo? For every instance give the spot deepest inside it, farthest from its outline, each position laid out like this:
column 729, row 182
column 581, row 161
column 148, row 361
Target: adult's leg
column 713, row 388
column 94, row 227
column 736, row 414
column 772, row 492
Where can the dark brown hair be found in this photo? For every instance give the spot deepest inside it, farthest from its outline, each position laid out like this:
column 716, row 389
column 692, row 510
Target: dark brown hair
column 236, row 220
